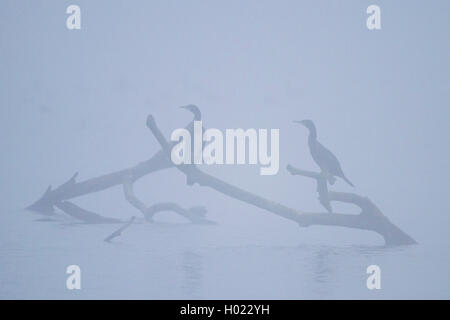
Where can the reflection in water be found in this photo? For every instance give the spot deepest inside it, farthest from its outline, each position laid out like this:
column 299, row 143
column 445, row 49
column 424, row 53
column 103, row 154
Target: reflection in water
column 152, row 263
column 327, row 263
column 322, row 270
column 192, row 274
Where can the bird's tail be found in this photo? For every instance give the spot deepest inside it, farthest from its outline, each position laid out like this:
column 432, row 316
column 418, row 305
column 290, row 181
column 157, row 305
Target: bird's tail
column 348, row 181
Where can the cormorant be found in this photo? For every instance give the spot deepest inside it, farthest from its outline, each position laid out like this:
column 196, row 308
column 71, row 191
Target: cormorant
column 324, row 158
column 197, row 117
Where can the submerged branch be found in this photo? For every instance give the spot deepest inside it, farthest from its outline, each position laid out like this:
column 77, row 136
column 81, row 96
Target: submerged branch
column 195, row 214
column 119, row 231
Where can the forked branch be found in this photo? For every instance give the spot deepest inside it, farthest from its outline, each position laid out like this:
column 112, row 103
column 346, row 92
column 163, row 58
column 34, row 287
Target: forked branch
column 194, row 214
column 374, row 222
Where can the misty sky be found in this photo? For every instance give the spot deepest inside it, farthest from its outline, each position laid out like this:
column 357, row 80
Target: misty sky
column 78, row 100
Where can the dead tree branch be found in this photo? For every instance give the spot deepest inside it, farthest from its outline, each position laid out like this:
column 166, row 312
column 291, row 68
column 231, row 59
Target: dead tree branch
column 194, row 214
column 371, row 220
column 72, row 189
column 119, row 231
column 370, row 217
column 322, row 185
column 84, row 215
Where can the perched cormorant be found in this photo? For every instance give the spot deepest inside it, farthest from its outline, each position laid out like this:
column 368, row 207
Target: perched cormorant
column 197, row 117
column 324, row 158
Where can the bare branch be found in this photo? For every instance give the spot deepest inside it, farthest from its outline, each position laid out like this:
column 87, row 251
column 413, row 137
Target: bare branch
column 194, row 214
column 84, row 215
column 363, row 202
column 130, row 196
column 378, row 223
column 119, row 231
column 322, row 185
column 309, row 174
column 72, row 189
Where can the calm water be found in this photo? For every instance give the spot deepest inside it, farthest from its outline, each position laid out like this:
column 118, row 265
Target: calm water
column 159, row 261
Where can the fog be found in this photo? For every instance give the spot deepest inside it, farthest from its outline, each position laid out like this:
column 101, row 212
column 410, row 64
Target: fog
column 77, row 101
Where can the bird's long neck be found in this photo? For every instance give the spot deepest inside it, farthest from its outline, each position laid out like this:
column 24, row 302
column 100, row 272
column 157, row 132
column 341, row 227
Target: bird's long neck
column 312, row 135
column 197, row 116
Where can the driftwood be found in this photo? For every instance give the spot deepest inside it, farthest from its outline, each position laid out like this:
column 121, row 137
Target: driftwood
column 193, row 214
column 127, row 177
column 72, row 188
column 84, row 215
column 370, row 218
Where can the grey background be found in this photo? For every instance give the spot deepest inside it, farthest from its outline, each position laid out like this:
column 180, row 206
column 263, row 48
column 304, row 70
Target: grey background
column 77, row 101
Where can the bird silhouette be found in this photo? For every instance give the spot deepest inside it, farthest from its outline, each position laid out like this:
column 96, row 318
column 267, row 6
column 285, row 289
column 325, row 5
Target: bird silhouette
column 197, row 117
column 324, row 158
